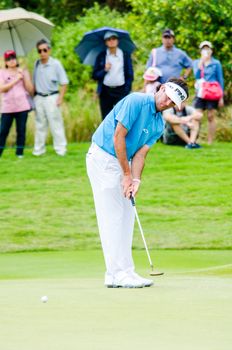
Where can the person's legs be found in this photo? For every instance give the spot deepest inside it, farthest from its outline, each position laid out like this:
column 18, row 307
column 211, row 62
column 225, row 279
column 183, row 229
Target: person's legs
column 54, row 116
column 106, row 102
column 211, row 125
column 115, row 223
column 21, row 120
column 118, row 94
column 194, row 131
column 181, row 133
column 128, row 220
column 41, row 126
column 5, row 125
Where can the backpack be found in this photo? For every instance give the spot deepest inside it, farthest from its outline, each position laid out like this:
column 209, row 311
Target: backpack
column 169, row 135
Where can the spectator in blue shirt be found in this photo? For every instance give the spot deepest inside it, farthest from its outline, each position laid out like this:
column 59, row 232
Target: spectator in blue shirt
column 210, row 69
column 114, row 72
column 169, row 59
column 115, row 162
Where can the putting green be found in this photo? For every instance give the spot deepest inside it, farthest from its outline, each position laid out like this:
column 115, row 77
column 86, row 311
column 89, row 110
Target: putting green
column 190, row 307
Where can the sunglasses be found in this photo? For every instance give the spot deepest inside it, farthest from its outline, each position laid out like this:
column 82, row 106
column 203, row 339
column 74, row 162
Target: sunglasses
column 42, row 50
column 167, row 36
column 10, row 58
column 112, row 38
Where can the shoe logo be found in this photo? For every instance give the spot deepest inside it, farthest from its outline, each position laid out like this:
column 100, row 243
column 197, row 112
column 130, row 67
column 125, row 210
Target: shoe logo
column 146, row 131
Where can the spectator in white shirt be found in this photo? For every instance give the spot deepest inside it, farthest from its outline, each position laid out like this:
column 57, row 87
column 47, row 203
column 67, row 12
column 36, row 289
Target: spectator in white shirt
column 114, row 72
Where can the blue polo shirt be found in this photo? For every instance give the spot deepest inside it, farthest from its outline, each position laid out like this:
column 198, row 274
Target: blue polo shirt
column 137, row 113
column 171, row 62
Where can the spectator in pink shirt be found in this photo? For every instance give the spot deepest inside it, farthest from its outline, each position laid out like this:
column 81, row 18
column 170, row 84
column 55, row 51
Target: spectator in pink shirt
column 15, row 87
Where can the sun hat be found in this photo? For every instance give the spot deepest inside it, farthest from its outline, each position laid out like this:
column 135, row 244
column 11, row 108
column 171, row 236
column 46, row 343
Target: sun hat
column 168, row 32
column 9, row 53
column 109, row 35
column 152, row 73
column 176, row 93
column 205, row 43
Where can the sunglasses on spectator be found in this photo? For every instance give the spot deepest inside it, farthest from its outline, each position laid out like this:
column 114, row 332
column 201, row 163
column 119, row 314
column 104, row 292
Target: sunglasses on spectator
column 10, row 58
column 112, row 38
column 42, row 50
column 167, row 36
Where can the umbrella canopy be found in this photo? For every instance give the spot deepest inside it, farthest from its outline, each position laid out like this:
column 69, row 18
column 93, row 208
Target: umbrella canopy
column 20, row 30
column 93, row 43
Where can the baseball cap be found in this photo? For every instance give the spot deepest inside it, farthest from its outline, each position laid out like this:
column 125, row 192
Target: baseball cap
column 205, row 43
column 9, row 53
column 152, row 73
column 110, row 35
column 168, row 32
column 176, row 93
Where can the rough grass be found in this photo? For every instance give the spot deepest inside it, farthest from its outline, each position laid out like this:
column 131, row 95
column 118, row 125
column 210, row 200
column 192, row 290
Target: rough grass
column 184, row 201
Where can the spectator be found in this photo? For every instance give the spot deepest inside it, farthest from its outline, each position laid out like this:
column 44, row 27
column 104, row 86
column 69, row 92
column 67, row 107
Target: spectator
column 175, row 134
column 210, row 69
column 151, row 82
column 169, row 59
column 15, row 86
column 114, row 72
column 115, row 162
column 49, row 74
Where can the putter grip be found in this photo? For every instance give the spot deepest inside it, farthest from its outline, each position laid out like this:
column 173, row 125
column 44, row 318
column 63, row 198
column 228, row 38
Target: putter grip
column 132, row 200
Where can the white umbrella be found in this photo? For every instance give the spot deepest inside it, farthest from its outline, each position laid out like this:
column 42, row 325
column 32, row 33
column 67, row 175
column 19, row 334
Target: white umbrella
column 20, row 30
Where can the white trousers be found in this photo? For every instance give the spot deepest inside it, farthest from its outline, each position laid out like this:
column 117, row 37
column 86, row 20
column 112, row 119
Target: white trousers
column 47, row 113
column 115, row 214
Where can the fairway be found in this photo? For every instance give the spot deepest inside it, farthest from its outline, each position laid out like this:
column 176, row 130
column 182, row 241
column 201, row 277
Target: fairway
column 188, row 308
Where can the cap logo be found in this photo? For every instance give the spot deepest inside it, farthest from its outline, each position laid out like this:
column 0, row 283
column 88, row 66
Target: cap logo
column 176, row 93
column 176, row 89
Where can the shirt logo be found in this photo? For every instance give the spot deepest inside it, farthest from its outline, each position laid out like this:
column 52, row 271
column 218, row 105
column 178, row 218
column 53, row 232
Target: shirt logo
column 146, row 131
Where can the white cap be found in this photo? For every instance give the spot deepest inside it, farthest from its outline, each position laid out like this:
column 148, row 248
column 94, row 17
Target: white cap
column 205, row 43
column 176, row 93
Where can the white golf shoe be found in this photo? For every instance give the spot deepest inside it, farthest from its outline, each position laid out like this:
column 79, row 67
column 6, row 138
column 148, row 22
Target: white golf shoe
column 127, row 282
column 124, row 281
column 145, row 281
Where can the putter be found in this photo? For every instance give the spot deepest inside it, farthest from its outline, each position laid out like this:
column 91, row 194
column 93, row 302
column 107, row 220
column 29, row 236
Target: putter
column 152, row 273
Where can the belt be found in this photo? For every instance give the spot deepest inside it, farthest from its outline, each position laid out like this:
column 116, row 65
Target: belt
column 46, row 95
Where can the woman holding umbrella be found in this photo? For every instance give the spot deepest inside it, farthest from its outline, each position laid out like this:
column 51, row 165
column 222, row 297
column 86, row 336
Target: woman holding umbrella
column 15, row 86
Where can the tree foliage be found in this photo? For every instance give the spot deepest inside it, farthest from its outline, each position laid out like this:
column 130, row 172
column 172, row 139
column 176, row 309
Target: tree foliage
column 59, row 11
column 192, row 21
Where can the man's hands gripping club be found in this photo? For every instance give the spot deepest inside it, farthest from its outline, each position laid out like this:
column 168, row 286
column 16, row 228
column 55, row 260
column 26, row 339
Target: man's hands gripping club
column 130, row 186
column 131, row 175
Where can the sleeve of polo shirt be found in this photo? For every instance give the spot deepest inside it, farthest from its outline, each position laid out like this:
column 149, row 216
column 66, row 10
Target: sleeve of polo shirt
column 129, row 110
column 62, row 76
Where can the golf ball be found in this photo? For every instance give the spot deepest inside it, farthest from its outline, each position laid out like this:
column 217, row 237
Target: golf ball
column 44, row 299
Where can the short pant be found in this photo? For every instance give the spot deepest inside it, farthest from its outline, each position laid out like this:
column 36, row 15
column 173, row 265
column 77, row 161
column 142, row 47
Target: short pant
column 200, row 103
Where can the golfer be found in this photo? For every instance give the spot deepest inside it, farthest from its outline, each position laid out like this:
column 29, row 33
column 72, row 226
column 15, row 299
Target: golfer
column 115, row 163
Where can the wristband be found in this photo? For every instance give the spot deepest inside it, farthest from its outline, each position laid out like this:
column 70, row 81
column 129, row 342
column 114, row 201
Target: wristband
column 137, row 180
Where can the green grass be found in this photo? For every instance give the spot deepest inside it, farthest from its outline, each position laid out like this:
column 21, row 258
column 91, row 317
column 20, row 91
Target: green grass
column 188, row 308
column 184, row 202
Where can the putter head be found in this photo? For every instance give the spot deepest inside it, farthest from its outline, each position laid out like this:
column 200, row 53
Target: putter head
column 156, row 273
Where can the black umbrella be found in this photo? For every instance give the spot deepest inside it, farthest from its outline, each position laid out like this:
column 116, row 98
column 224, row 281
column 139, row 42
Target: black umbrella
column 93, row 43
